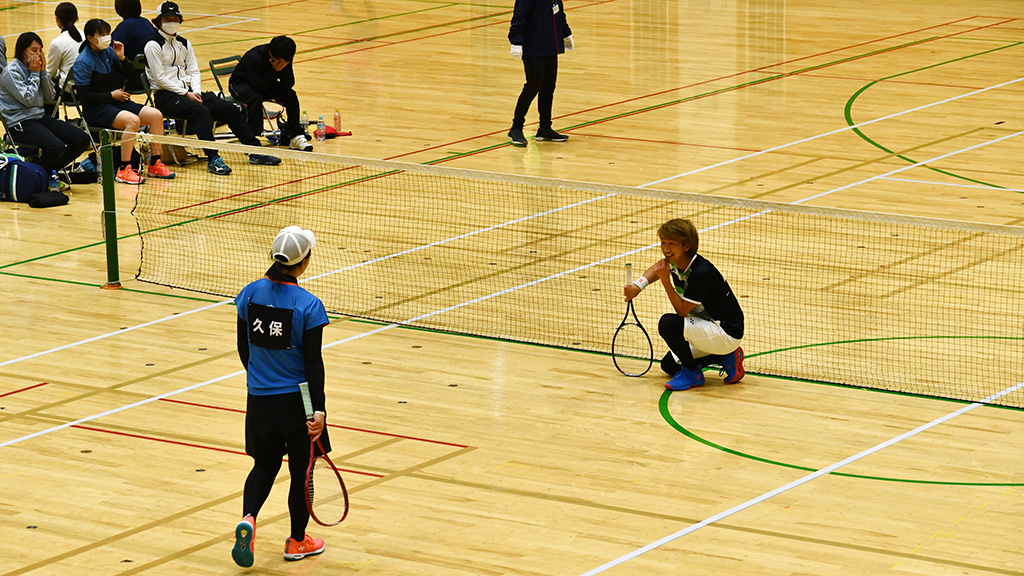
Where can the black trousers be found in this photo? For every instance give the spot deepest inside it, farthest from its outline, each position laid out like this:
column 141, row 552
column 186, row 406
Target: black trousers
column 254, row 108
column 59, row 143
column 199, row 118
column 541, row 75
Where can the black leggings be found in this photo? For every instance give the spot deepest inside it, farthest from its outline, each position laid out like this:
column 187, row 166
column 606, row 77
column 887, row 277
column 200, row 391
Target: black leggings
column 286, row 97
column 261, row 481
column 59, row 143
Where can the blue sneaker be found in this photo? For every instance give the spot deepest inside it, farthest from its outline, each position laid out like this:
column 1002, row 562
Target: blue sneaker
column 264, row 159
column 217, row 166
column 733, row 366
column 245, row 536
column 685, row 379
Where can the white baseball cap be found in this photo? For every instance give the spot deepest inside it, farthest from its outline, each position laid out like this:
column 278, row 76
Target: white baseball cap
column 292, row 244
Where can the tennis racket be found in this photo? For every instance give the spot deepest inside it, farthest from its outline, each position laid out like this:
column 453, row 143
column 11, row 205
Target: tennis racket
column 322, row 471
column 632, row 351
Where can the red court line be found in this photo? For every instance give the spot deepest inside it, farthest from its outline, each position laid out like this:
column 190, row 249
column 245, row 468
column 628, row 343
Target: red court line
column 238, row 411
column 24, row 389
column 190, row 445
column 218, row 199
column 375, row 38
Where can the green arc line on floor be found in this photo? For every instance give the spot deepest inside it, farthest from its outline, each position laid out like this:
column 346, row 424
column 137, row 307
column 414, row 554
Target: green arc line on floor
column 667, row 415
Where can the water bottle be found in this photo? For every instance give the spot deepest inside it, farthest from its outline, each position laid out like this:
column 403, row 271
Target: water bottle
column 321, row 130
column 304, row 122
column 54, row 182
column 337, row 120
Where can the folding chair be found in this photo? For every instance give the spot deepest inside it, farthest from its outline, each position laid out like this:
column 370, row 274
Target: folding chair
column 139, row 62
column 224, row 67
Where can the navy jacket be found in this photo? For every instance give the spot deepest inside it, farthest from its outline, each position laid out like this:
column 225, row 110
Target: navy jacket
column 538, row 28
column 255, row 74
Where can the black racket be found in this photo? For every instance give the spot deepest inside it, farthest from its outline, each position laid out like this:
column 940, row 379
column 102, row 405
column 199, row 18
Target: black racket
column 321, row 470
column 632, row 351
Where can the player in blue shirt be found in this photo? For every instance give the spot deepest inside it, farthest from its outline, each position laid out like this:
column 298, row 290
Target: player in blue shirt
column 280, row 333
column 707, row 326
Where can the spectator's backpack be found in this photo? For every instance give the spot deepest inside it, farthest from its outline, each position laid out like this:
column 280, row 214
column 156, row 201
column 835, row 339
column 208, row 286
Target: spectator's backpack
column 22, row 181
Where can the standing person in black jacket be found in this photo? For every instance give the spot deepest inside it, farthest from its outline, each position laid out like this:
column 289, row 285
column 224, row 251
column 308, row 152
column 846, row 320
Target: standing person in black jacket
column 538, row 33
column 265, row 74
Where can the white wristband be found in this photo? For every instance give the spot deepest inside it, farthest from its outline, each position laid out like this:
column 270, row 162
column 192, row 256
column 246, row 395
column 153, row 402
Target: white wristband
column 641, row 282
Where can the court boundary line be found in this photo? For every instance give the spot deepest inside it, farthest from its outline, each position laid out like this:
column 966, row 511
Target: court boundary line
column 443, row 310
column 954, row 184
column 799, row 482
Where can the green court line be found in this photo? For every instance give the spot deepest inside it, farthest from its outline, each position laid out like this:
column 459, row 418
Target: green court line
column 93, row 285
column 848, row 113
column 697, row 96
column 667, row 415
column 503, row 144
column 352, row 23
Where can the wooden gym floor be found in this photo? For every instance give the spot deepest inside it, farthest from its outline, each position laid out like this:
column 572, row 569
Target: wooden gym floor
column 120, row 423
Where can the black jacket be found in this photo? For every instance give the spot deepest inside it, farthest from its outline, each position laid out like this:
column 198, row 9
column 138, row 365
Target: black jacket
column 255, row 74
column 538, row 28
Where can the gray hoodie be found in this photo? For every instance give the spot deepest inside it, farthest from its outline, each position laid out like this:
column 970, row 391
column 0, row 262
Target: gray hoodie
column 22, row 92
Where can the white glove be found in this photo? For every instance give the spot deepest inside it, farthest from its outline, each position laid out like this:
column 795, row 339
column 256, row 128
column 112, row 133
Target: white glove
column 516, row 52
column 569, row 45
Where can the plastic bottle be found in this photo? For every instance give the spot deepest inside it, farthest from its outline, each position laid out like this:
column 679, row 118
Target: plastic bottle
column 337, row 120
column 54, row 182
column 321, row 131
column 305, row 121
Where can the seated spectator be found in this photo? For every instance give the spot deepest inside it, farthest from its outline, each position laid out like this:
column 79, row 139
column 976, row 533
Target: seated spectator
column 133, row 31
column 100, row 74
column 265, row 74
column 24, row 88
column 64, row 48
column 173, row 72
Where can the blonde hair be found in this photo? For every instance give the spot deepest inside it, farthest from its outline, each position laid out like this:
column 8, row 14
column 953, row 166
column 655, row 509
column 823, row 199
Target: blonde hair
column 682, row 230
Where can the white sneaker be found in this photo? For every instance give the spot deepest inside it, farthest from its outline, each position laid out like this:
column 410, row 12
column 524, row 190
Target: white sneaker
column 300, row 143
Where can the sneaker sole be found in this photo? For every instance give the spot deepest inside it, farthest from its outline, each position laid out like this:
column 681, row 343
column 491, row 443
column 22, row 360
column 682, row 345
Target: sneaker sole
column 242, row 551
column 695, row 385
column 259, row 163
column 159, row 176
column 122, row 181
column 293, row 557
column 740, row 372
column 543, row 139
column 517, row 144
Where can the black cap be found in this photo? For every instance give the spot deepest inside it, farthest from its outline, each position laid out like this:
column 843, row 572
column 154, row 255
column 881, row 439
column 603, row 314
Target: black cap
column 168, row 9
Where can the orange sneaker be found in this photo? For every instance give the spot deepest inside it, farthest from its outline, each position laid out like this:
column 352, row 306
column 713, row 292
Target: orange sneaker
column 128, row 175
column 159, row 170
column 295, row 550
column 245, row 541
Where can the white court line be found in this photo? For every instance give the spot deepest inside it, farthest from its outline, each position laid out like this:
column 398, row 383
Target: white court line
column 456, row 306
column 795, row 483
column 840, row 130
column 994, row 188
column 375, row 260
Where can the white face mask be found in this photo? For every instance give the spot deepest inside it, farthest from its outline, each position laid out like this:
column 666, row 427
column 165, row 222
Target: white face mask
column 170, row 27
column 102, row 42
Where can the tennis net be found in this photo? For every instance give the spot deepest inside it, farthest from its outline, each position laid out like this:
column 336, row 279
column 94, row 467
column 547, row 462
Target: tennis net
column 915, row 305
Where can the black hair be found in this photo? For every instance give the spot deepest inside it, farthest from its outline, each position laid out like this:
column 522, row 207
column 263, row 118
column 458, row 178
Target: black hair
column 280, row 272
column 128, row 8
column 96, row 26
column 24, row 41
column 68, row 15
column 282, row 47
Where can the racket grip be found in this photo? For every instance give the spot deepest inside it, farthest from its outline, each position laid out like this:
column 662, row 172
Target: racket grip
column 307, row 402
column 629, row 273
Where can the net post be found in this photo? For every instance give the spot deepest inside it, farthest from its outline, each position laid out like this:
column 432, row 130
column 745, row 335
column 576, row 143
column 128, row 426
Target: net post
column 109, row 212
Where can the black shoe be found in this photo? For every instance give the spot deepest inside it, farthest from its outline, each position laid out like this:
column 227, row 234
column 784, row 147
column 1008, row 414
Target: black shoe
column 264, row 159
column 550, row 136
column 517, row 138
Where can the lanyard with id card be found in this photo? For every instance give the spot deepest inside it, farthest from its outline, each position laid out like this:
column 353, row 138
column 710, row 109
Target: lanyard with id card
column 554, row 7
